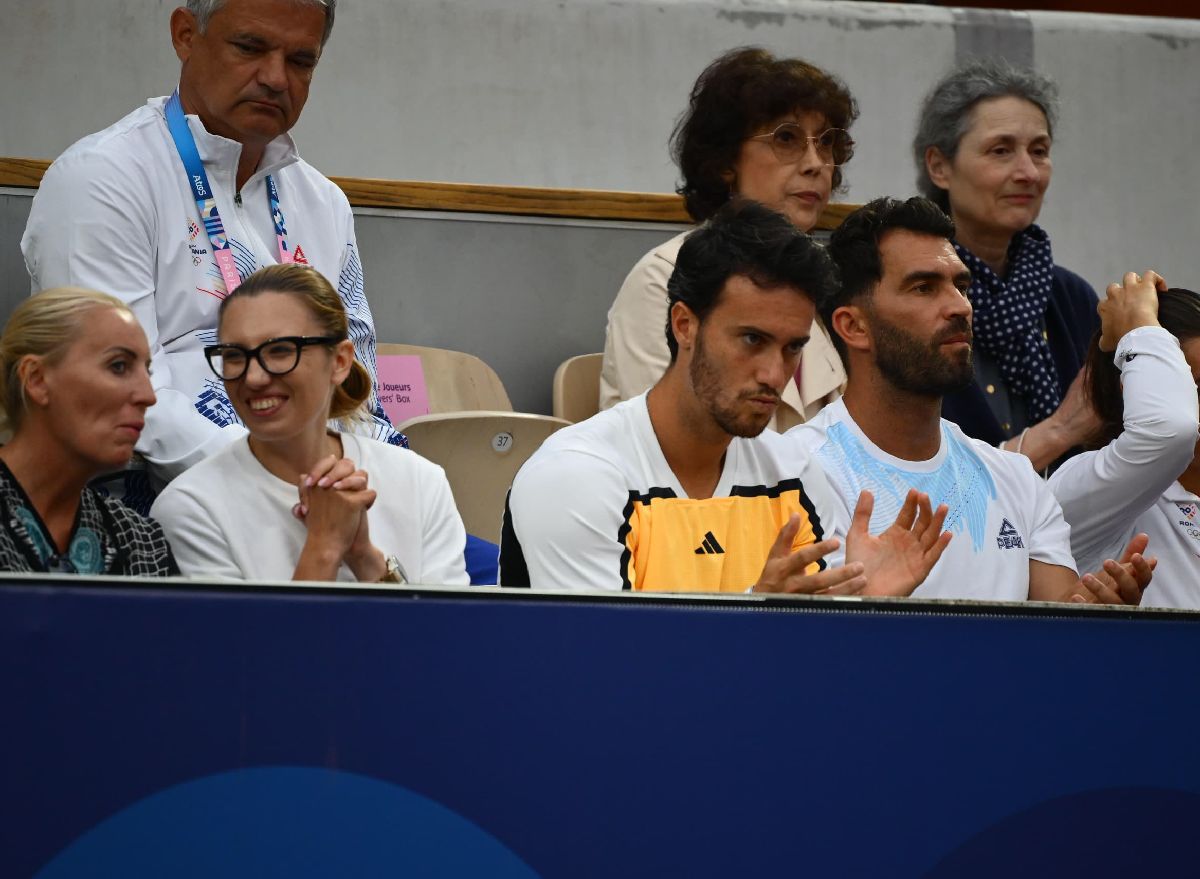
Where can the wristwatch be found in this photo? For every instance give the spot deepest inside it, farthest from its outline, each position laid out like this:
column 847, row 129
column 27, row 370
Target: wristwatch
column 395, row 571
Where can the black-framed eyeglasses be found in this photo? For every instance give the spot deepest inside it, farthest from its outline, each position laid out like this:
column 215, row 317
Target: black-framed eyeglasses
column 276, row 356
column 834, row 146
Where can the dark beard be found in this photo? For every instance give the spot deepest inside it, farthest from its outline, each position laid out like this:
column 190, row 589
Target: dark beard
column 919, row 367
column 706, row 384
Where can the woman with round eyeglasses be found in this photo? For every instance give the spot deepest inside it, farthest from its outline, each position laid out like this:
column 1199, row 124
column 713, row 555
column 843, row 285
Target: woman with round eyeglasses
column 982, row 151
column 293, row 499
column 76, row 368
column 768, row 129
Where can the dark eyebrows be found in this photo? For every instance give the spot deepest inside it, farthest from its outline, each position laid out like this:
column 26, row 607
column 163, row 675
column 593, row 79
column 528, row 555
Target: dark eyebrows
column 770, row 337
column 248, row 38
column 259, row 42
column 959, row 279
column 919, row 276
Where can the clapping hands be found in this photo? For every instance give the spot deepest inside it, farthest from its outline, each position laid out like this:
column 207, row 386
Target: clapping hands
column 894, row 562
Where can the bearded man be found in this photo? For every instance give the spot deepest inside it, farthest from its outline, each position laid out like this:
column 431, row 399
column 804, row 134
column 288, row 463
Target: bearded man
column 902, row 323
column 679, row 488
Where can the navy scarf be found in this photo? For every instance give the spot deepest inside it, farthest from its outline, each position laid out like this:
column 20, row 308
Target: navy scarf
column 1010, row 317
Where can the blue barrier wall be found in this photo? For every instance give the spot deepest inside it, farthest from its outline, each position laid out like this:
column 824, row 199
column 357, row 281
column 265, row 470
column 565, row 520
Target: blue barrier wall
column 204, row 731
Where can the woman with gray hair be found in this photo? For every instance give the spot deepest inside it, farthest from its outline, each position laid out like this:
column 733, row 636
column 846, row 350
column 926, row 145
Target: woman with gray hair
column 982, row 151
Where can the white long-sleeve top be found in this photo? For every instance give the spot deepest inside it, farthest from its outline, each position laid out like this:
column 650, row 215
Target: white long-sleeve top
column 115, row 213
column 1130, row 485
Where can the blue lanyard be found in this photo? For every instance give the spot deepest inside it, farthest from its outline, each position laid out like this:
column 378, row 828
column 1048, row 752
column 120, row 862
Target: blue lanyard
column 206, row 201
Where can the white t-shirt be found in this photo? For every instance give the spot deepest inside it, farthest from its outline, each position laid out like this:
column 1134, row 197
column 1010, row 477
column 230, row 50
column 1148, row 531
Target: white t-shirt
column 115, row 213
column 597, row 506
column 1002, row 515
column 228, row 517
column 1130, row 486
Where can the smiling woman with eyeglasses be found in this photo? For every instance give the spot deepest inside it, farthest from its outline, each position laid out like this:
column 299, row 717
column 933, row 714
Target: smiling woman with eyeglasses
column 294, row 499
column 768, row 129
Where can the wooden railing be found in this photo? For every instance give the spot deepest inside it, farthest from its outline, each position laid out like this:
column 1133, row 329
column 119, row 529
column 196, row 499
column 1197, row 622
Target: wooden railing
column 586, row 204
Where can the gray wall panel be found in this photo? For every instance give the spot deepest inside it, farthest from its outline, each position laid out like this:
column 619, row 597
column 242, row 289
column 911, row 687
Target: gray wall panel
column 524, row 295
column 14, row 280
column 584, row 94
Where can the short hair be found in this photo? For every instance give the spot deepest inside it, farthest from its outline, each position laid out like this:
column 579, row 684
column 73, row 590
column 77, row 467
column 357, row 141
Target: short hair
column 854, row 247
column 945, row 115
column 1179, row 315
column 44, row 325
column 203, row 10
column 315, row 291
column 746, row 239
column 736, row 95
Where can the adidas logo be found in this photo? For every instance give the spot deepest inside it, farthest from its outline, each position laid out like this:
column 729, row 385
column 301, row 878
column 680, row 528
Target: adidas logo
column 1009, row 538
column 709, row 546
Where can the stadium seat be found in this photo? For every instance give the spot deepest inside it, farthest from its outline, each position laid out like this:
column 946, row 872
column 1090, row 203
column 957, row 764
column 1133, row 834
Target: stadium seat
column 455, row 381
column 577, row 387
column 481, row 453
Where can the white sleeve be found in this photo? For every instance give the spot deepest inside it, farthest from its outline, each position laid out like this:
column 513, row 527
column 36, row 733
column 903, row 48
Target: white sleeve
column 635, row 348
column 199, row 544
column 352, row 289
column 567, row 512
column 443, row 536
column 1103, row 492
column 93, row 225
column 1048, row 533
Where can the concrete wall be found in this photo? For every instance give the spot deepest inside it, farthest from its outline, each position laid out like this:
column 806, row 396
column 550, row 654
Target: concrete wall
column 523, row 294
column 583, row 93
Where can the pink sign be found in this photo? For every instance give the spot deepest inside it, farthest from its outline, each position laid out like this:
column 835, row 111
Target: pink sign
column 401, row 387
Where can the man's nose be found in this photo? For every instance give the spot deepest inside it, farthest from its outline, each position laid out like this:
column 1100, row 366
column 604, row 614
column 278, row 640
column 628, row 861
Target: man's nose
column 272, row 71
column 957, row 304
column 775, row 368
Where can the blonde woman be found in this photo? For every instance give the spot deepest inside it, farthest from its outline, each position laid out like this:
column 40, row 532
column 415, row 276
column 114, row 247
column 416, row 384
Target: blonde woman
column 294, row 499
column 76, row 389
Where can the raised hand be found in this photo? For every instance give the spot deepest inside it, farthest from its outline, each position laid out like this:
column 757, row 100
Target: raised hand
column 786, row 571
column 898, row 560
column 1131, row 304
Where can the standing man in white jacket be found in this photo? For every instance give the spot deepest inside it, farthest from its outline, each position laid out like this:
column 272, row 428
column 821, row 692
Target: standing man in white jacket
column 173, row 205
